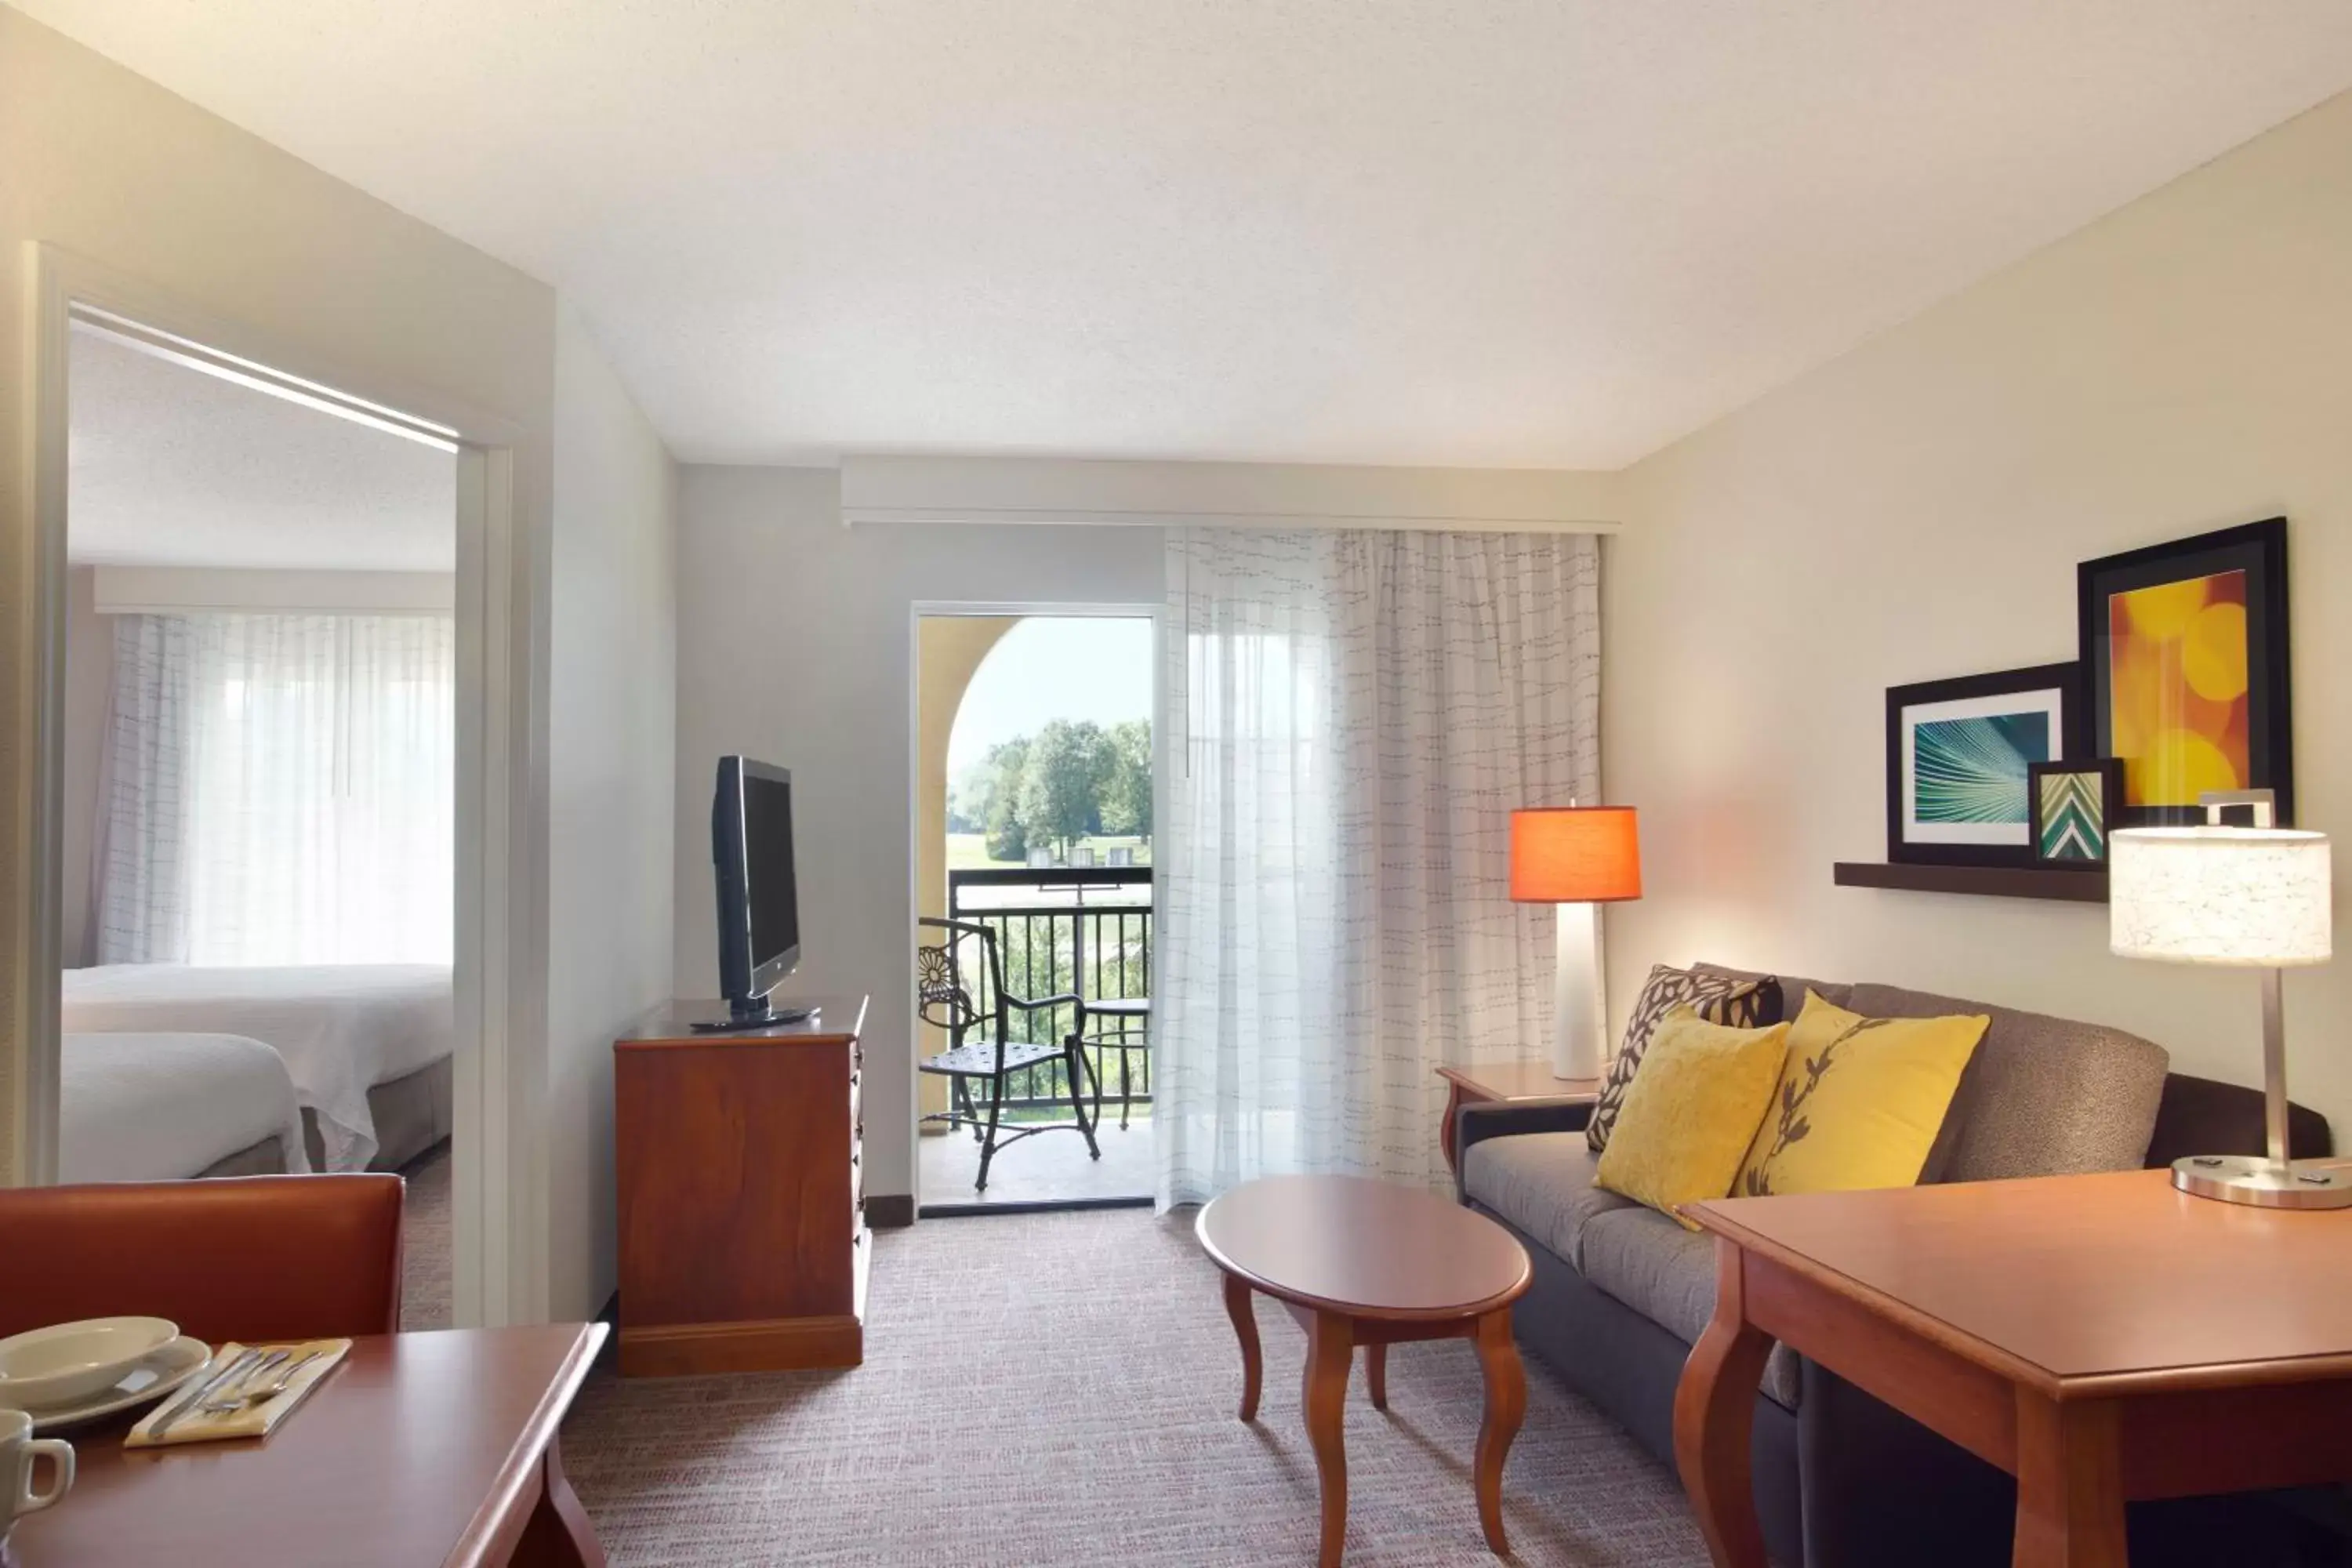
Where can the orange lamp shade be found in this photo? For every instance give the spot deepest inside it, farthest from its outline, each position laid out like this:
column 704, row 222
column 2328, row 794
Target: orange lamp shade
column 1575, row 854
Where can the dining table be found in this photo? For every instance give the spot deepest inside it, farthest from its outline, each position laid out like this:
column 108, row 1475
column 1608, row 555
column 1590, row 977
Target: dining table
column 433, row 1450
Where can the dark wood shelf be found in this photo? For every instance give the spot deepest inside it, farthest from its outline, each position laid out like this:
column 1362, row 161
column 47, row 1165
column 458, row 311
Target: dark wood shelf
column 1991, row 881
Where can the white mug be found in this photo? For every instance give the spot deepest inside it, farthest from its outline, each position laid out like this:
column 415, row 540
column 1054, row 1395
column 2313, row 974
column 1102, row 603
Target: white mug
column 19, row 1451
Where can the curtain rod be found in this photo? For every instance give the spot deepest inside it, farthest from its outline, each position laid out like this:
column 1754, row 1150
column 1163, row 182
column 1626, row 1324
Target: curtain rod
column 869, row 516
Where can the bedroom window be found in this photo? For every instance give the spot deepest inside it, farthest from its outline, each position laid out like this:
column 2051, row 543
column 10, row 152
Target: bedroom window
column 279, row 790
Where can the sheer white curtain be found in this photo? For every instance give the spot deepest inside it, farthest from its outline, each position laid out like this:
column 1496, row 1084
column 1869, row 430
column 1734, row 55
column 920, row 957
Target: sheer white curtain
column 279, row 790
column 1354, row 716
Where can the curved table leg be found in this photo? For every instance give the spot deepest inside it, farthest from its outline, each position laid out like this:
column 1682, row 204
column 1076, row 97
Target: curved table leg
column 1238, row 1308
column 1506, row 1407
column 2070, row 1489
column 558, row 1535
column 1376, row 1374
column 1330, row 1351
column 1715, row 1406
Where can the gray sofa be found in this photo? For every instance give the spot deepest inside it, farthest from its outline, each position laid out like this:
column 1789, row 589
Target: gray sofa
column 1841, row 1481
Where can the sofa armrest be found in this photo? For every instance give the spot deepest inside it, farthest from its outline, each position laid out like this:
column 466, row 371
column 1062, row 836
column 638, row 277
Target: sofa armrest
column 1482, row 1120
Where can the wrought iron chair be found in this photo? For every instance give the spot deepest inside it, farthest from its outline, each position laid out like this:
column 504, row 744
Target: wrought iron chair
column 946, row 998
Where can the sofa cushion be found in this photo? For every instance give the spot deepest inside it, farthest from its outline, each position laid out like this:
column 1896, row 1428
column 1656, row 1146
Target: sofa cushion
column 1542, row 1183
column 1746, row 1004
column 1692, row 1112
column 2042, row 1097
column 1667, row 1274
column 1860, row 1102
column 1792, row 988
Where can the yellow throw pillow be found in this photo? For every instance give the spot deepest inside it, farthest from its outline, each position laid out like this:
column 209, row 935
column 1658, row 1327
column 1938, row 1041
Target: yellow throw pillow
column 1859, row 1100
column 1691, row 1111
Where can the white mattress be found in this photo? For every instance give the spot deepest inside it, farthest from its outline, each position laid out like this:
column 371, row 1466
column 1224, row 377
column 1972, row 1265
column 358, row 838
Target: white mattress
column 159, row 1108
column 342, row 1029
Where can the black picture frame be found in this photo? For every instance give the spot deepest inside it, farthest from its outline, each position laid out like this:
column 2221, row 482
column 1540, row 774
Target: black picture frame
column 2258, row 549
column 2061, row 687
column 2110, row 774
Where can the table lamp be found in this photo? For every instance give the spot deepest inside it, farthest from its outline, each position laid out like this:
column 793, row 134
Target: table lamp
column 2250, row 897
column 1577, row 858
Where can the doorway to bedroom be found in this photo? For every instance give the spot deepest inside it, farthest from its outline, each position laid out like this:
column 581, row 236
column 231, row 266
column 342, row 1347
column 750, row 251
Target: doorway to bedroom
column 1035, row 771
column 258, row 813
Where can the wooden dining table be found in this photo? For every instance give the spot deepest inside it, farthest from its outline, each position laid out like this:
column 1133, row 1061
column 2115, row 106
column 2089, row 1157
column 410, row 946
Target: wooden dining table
column 420, row 1450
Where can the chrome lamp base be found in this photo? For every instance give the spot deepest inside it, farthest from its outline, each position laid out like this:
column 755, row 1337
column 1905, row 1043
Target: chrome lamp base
column 2250, row 1179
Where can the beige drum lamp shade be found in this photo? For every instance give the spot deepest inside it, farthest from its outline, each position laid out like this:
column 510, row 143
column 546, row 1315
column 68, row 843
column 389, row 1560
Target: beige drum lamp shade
column 2253, row 898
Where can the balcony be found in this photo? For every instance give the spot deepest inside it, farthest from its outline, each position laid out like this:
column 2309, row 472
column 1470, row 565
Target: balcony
column 1083, row 930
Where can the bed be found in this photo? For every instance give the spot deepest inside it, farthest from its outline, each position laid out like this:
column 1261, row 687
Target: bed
column 159, row 1108
column 368, row 1045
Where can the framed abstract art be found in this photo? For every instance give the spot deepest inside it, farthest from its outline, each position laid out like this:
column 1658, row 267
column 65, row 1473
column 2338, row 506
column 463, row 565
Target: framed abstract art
column 2185, row 655
column 1959, row 756
column 2073, row 805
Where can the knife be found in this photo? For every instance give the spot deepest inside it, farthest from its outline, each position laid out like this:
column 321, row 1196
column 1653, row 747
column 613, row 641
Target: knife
column 204, row 1388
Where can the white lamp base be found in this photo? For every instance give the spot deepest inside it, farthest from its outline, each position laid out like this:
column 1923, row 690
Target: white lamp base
column 1579, row 1018
column 2250, row 1179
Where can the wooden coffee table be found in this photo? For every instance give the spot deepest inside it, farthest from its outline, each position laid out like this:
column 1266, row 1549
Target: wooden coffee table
column 1367, row 1263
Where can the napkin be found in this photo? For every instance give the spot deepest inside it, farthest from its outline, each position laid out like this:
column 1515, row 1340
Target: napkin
column 183, row 1420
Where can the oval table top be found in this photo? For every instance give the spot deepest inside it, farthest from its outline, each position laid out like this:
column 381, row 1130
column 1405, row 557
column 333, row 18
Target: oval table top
column 1367, row 1248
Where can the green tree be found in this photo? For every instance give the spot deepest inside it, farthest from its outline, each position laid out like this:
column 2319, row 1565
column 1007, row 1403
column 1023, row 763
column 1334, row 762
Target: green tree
column 995, row 800
column 1127, row 784
column 1061, row 782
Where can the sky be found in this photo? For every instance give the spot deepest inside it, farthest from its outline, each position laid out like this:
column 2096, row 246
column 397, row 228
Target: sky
column 1053, row 666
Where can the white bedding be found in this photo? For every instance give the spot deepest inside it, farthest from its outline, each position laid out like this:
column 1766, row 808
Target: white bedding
column 342, row 1029
column 158, row 1108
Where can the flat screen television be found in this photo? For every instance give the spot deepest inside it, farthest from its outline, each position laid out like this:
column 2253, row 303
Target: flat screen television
column 758, row 891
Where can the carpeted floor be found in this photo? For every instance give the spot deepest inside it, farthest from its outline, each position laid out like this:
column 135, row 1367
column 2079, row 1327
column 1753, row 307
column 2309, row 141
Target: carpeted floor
column 425, row 1241
column 1059, row 1389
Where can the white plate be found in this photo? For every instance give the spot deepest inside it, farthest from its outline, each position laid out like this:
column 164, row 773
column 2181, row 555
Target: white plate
column 152, row 1379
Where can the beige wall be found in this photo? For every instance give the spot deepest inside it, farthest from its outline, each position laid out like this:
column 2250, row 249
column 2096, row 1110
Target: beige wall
column 949, row 650
column 795, row 645
column 114, row 169
column 110, row 167
column 1915, row 510
column 613, row 737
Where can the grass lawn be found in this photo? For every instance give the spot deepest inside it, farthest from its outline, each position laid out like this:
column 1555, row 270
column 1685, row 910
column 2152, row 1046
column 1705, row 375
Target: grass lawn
column 969, row 851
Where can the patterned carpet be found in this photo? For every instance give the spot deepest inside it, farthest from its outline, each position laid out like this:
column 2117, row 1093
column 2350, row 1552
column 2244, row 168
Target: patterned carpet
column 425, row 1241
column 1051, row 1389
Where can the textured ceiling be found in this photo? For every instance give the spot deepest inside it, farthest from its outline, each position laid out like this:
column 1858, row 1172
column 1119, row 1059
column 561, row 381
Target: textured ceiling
column 170, row 467
column 1550, row 232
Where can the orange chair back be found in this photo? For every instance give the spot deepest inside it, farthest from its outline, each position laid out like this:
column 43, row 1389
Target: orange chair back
column 252, row 1258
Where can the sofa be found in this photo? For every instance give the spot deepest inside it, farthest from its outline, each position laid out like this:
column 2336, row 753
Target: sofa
column 1622, row 1292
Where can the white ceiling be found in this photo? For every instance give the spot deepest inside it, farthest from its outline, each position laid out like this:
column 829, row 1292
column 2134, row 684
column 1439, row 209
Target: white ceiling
column 1490, row 232
column 170, row 467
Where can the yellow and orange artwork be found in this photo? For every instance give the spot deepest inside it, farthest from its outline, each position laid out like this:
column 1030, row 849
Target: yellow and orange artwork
column 2177, row 680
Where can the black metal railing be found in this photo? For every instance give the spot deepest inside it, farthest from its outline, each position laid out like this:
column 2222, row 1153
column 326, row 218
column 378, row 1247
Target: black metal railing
column 1064, row 929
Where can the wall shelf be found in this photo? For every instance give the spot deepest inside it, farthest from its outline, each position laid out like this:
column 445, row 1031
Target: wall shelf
column 1991, row 881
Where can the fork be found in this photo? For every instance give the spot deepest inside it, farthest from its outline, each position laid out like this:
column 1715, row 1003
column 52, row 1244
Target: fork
column 248, row 1395
column 234, row 1396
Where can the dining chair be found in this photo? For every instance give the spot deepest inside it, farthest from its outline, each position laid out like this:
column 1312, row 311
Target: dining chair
column 245, row 1258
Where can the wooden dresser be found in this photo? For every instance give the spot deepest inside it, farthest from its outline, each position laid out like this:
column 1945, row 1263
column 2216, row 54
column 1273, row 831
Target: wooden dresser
column 744, row 1244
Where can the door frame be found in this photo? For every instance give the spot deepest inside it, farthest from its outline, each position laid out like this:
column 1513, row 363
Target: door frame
column 926, row 609
column 494, row 1279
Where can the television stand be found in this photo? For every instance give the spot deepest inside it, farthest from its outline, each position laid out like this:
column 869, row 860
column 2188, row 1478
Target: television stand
column 747, row 1022
column 739, row 1171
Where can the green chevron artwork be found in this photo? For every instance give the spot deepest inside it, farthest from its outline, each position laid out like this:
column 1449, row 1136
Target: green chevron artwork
column 2073, row 804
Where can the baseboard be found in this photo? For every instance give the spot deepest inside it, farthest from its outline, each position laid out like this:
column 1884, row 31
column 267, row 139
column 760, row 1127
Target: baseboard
column 1042, row 1205
column 889, row 1211
column 775, row 1345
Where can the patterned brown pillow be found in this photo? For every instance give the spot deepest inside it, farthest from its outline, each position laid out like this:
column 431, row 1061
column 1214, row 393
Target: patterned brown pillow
column 1737, row 1003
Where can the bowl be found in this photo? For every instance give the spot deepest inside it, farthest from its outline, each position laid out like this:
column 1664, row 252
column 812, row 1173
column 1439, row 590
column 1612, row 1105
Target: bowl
column 70, row 1361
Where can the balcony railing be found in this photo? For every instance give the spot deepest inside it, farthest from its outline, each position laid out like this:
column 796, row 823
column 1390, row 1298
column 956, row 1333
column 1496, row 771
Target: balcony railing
column 1083, row 930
